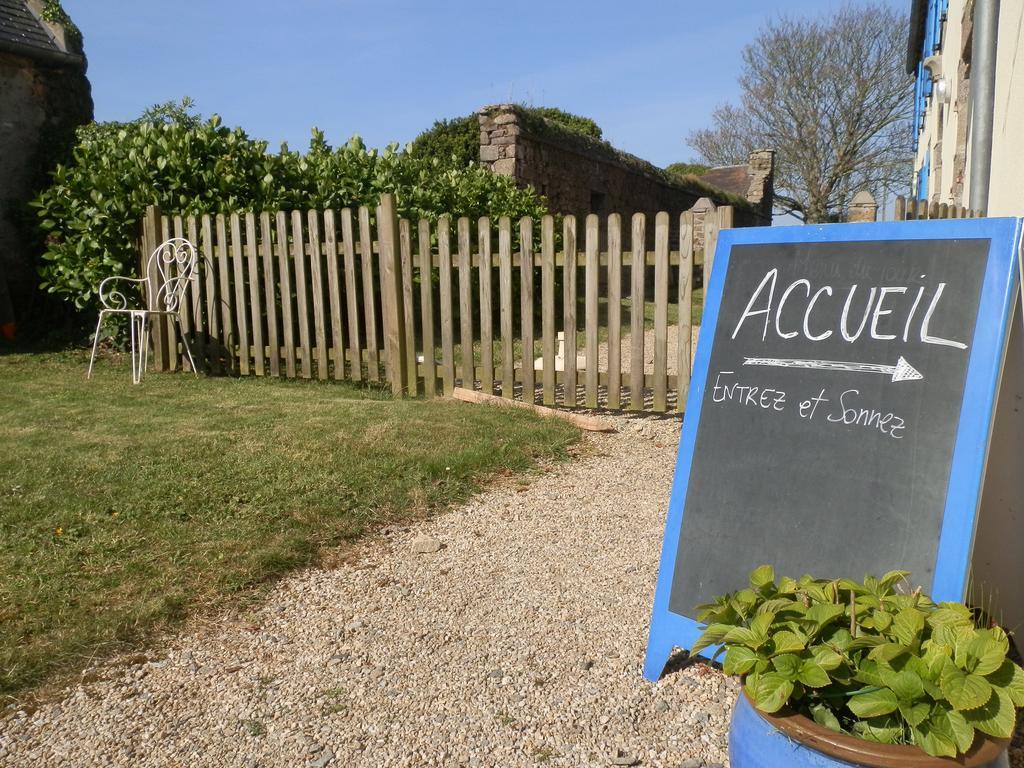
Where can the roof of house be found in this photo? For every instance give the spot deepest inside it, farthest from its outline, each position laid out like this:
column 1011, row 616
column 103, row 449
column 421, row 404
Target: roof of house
column 731, row 178
column 22, row 32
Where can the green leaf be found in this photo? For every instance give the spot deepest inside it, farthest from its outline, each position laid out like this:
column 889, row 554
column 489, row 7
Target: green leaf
column 890, row 579
column 817, row 592
column 739, row 660
column 950, row 634
column 869, row 672
column 746, row 599
column 777, row 605
column 823, row 613
column 813, row 675
column 839, row 638
column 884, row 730
column 986, row 653
column 788, row 665
column 787, row 585
column 907, row 626
column 882, row 620
column 743, row 636
column 872, row 703
column 964, row 691
column 849, row 585
column 824, row 716
column 825, row 657
column 761, row 577
column 788, row 642
column 996, row 717
column 936, row 741
column 1010, row 678
column 950, row 614
column 906, row 685
column 761, row 624
column 961, row 643
column 771, row 691
column 712, row 635
column 888, row 652
column 914, row 714
column 954, row 724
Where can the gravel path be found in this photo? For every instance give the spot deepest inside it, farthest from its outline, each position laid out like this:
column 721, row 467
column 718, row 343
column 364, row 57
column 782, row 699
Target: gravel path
column 517, row 643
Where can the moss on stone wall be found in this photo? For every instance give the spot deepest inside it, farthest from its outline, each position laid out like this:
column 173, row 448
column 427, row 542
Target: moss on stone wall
column 458, row 140
column 537, row 127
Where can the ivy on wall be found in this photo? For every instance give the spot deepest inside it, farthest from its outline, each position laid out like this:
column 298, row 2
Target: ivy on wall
column 54, row 13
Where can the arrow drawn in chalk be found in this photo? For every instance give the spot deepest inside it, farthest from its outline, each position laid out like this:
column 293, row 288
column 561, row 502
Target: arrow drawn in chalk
column 902, row 371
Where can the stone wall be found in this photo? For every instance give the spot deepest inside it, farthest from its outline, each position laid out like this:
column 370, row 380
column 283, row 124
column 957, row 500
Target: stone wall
column 42, row 101
column 580, row 175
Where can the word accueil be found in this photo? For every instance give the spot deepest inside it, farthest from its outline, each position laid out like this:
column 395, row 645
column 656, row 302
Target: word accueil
column 816, row 327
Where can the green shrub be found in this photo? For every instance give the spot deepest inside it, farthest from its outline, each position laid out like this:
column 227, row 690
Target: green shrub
column 90, row 213
column 455, row 142
column 863, row 659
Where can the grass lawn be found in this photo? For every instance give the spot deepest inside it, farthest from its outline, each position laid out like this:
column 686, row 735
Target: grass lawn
column 124, row 508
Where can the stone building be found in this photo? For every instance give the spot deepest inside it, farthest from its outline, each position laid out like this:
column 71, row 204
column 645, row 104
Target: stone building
column 580, row 174
column 44, row 96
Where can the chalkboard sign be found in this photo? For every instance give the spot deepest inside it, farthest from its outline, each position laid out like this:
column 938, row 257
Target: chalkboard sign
column 840, row 410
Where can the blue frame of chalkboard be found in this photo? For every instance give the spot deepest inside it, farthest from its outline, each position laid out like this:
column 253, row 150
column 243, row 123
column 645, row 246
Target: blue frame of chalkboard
column 999, row 290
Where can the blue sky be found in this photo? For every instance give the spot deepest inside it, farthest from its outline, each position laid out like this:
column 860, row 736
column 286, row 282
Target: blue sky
column 647, row 71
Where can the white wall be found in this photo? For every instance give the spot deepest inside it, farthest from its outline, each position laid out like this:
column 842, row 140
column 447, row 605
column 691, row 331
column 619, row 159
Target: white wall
column 1006, row 194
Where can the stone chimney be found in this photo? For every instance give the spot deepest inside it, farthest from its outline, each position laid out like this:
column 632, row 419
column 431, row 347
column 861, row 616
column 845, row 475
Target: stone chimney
column 761, row 192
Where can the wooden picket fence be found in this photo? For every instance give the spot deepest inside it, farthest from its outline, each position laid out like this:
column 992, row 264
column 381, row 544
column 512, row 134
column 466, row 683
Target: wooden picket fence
column 909, row 209
column 344, row 294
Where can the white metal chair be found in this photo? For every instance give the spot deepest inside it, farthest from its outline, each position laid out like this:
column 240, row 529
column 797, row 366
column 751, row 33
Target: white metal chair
column 171, row 265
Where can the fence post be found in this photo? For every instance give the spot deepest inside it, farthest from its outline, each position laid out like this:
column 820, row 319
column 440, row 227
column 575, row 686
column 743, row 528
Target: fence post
column 714, row 222
column 901, row 209
column 392, row 300
column 151, row 239
column 862, row 208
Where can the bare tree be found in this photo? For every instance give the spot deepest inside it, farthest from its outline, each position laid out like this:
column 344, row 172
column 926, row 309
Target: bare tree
column 832, row 97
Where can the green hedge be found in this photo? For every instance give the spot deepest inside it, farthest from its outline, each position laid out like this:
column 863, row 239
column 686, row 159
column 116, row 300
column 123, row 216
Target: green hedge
column 189, row 166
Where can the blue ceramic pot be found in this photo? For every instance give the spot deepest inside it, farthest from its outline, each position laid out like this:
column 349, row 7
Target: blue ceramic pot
column 789, row 740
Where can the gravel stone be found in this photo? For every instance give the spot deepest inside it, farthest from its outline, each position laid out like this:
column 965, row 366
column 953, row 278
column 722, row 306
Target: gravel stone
column 624, row 758
column 326, row 757
column 426, row 545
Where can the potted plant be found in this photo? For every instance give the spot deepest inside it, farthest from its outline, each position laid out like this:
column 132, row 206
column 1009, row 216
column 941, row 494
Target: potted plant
column 840, row 673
